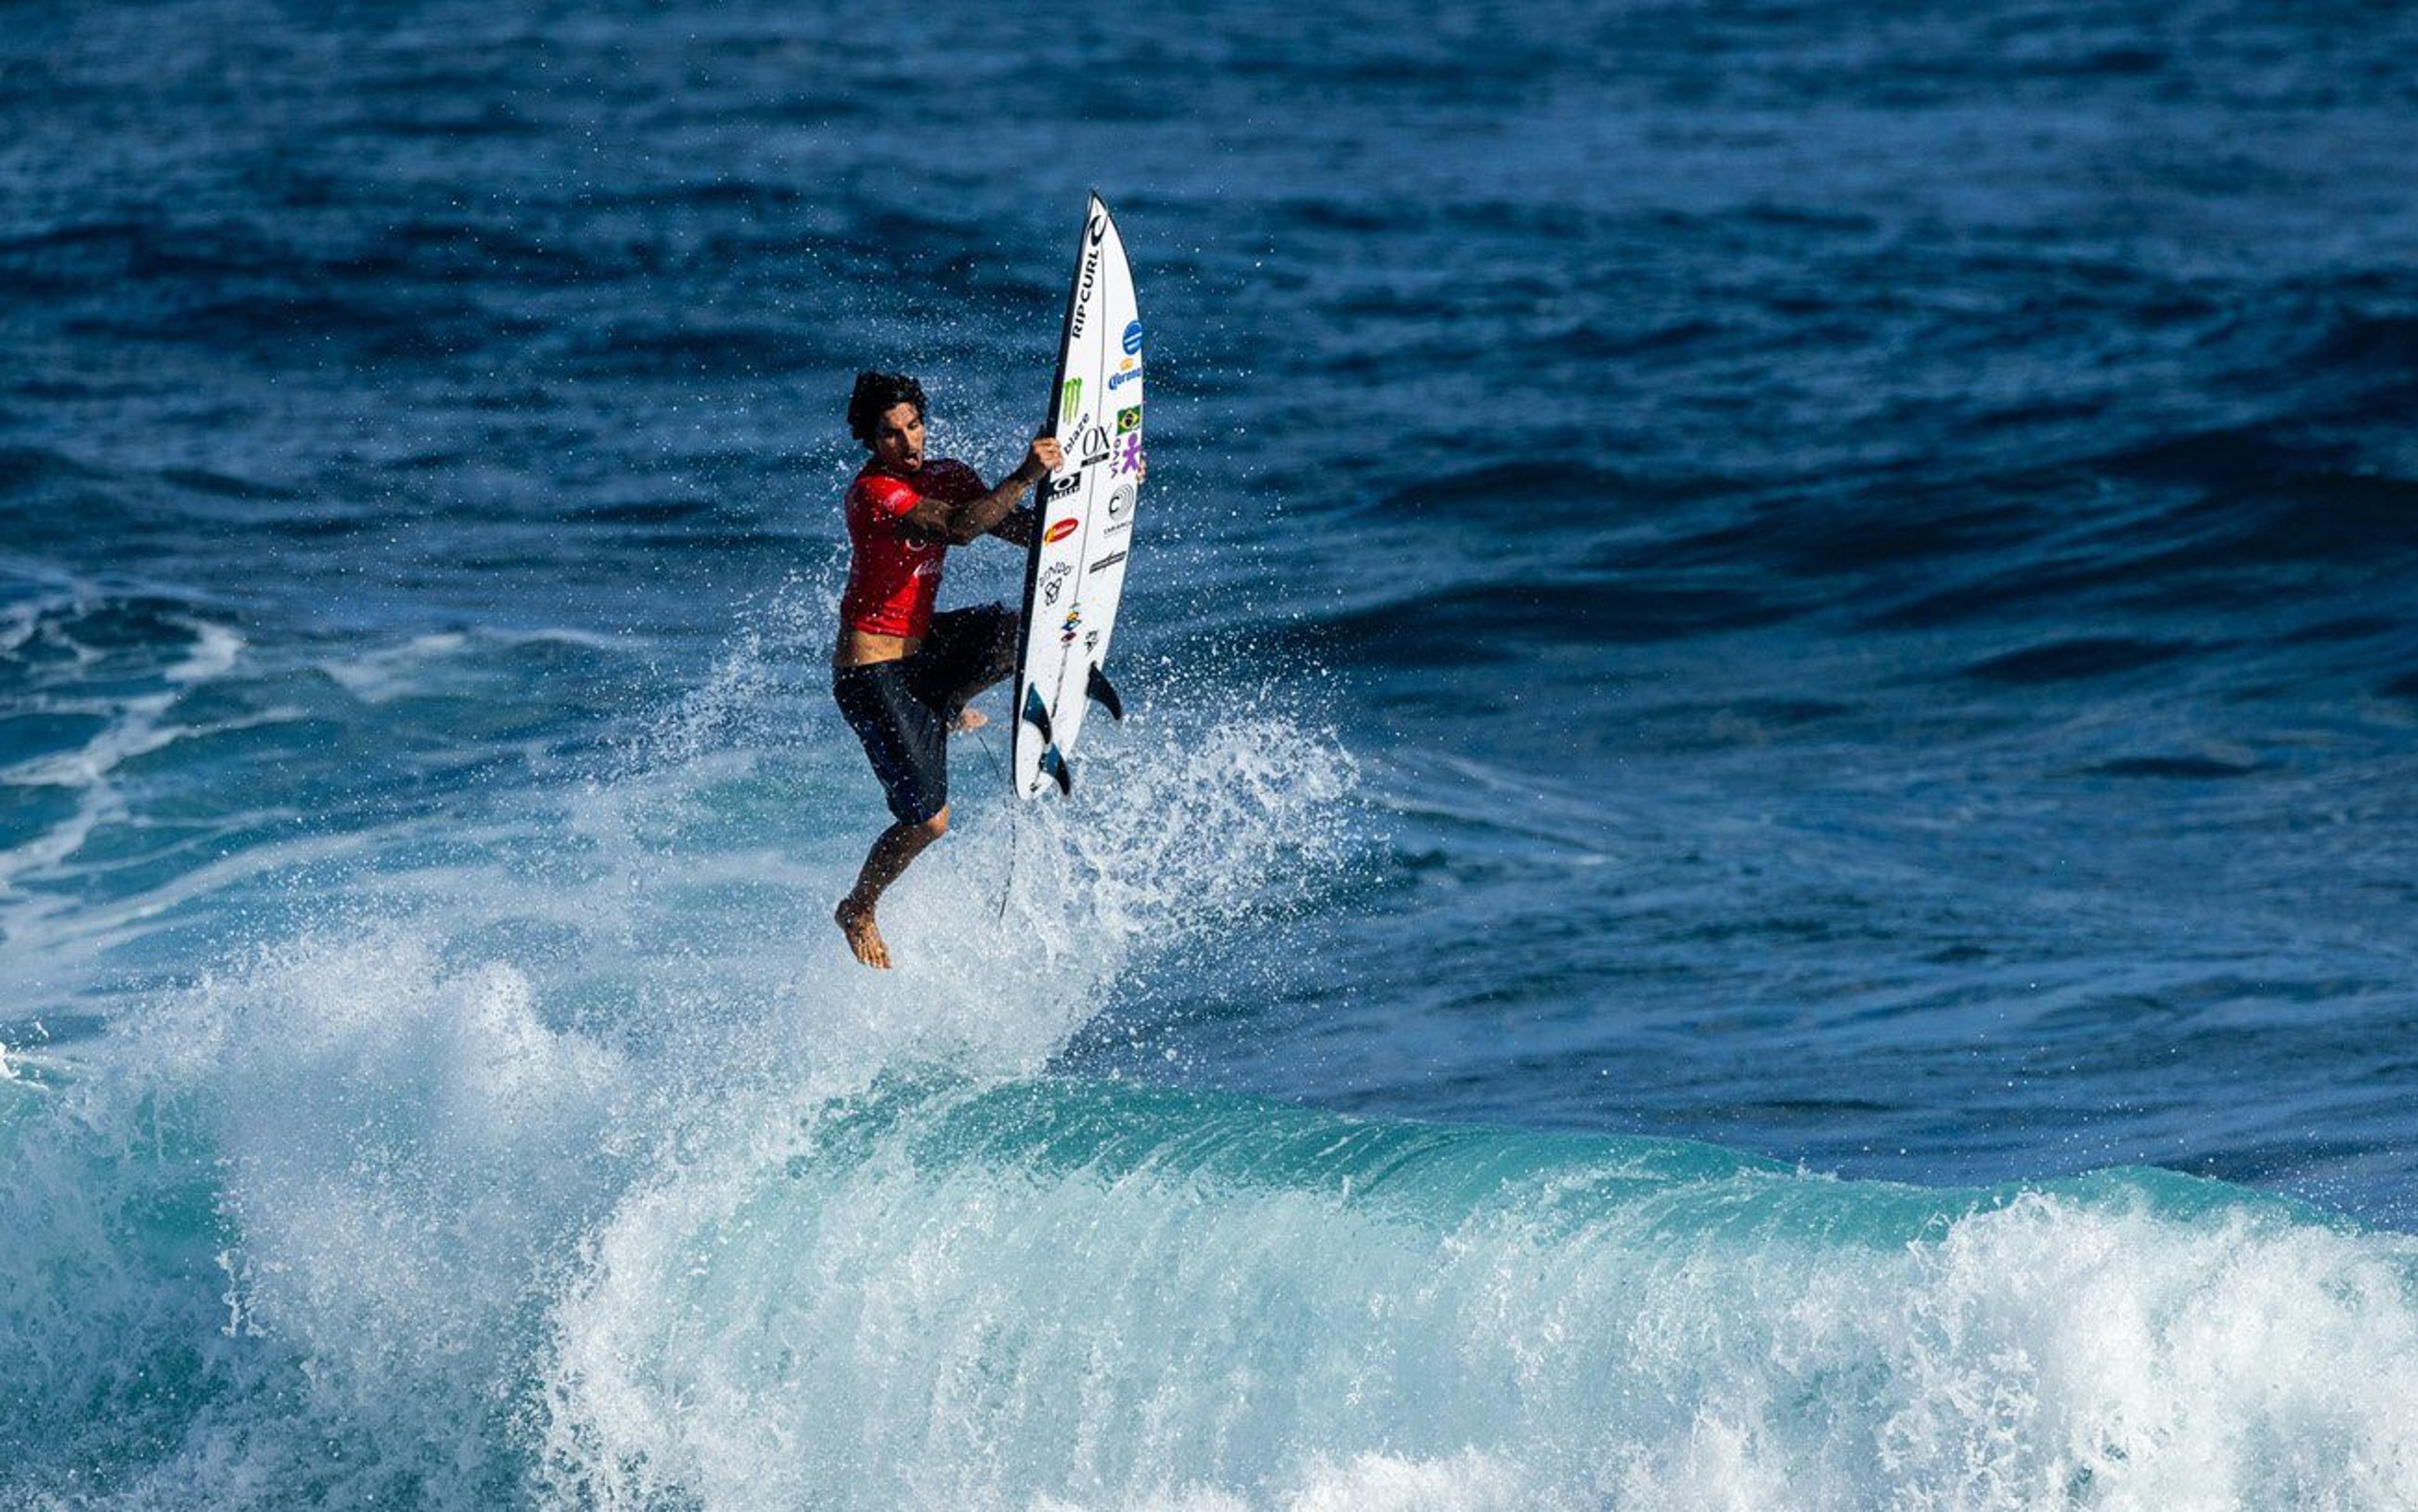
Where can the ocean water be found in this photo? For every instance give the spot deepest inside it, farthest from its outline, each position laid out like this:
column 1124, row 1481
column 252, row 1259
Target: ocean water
column 1765, row 858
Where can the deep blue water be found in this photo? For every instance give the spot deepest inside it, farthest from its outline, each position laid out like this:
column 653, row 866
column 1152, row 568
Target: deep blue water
column 1767, row 855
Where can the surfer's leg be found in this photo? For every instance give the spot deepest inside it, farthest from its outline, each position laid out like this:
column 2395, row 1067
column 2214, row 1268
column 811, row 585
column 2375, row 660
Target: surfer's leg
column 907, row 741
column 966, row 652
column 893, row 850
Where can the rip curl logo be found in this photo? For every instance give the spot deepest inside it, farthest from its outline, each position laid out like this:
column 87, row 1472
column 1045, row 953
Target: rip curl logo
column 1096, row 231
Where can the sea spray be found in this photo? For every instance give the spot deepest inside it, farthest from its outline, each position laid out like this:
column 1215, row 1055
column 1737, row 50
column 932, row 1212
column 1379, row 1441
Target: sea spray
column 301, row 1226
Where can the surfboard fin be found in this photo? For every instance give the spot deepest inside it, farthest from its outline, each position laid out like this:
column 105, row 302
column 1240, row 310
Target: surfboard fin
column 1101, row 693
column 1055, row 763
column 1036, row 713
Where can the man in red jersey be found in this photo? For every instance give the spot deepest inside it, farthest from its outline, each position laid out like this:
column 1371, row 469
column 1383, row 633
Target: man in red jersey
column 901, row 673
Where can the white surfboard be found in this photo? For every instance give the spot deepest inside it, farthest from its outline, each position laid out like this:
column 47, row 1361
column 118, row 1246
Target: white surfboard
column 1077, row 570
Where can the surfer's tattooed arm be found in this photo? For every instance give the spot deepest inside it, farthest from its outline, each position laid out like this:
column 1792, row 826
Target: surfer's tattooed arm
column 959, row 524
column 1017, row 530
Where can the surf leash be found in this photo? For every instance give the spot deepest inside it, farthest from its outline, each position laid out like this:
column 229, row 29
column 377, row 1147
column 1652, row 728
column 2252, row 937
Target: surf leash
column 1015, row 815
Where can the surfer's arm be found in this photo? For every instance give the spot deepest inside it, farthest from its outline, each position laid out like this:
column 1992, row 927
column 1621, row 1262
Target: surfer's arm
column 1017, row 530
column 962, row 523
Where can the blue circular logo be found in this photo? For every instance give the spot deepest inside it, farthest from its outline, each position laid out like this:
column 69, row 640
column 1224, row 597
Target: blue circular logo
column 1133, row 337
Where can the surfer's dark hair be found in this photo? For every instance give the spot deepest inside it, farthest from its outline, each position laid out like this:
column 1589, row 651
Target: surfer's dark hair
column 877, row 394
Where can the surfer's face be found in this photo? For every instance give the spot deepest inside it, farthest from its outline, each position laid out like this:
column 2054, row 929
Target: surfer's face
column 898, row 439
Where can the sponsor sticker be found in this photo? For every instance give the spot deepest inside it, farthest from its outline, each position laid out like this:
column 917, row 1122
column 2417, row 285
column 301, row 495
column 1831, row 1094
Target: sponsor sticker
column 1090, row 443
column 1061, row 487
column 1121, row 502
column 1130, row 455
column 1052, row 581
column 1073, row 621
column 1070, row 400
column 1133, row 337
column 1130, row 420
column 1062, row 529
column 1096, row 231
column 1106, row 562
column 1130, row 372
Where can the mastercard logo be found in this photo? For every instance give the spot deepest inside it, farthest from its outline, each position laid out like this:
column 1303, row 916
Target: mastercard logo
column 1062, row 529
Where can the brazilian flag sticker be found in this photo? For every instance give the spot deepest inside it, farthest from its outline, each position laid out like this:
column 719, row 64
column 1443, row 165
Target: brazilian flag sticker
column 1129, row 419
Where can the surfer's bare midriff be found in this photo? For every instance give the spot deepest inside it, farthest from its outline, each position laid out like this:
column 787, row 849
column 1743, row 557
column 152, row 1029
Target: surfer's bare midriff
column 864, row 647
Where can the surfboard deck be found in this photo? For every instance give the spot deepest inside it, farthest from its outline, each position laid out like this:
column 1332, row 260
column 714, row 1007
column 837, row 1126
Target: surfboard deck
column 1075, row 574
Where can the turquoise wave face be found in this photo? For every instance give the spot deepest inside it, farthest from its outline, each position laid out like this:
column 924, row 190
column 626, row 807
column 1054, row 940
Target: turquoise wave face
column 1090, row 1295
column 1064, row 1292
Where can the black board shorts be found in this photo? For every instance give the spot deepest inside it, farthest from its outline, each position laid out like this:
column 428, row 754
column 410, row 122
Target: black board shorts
column 902, row 710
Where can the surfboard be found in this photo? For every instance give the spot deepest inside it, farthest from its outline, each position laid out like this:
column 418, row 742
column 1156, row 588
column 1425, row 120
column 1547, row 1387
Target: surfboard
column 1075, row 573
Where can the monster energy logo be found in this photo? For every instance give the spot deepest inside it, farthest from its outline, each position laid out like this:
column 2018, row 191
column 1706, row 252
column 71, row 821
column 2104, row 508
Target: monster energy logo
column 1070, row 399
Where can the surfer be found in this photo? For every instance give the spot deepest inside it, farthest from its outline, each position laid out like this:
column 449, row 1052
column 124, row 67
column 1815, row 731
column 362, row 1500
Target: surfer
column 901, row 673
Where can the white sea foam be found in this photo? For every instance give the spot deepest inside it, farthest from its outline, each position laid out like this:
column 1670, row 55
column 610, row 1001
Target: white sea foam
column 1466, row 1482
column 382, row 676
column 132, row 729
column 215, row 652
column 435, row 662
column 883, row 1330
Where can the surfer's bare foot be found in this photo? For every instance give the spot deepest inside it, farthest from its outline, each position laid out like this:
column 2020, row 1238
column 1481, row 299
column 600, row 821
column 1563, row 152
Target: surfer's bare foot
column 968, row 719
column 856, row 921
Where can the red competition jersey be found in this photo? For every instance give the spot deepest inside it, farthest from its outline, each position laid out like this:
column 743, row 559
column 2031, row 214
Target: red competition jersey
column 892, row 575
